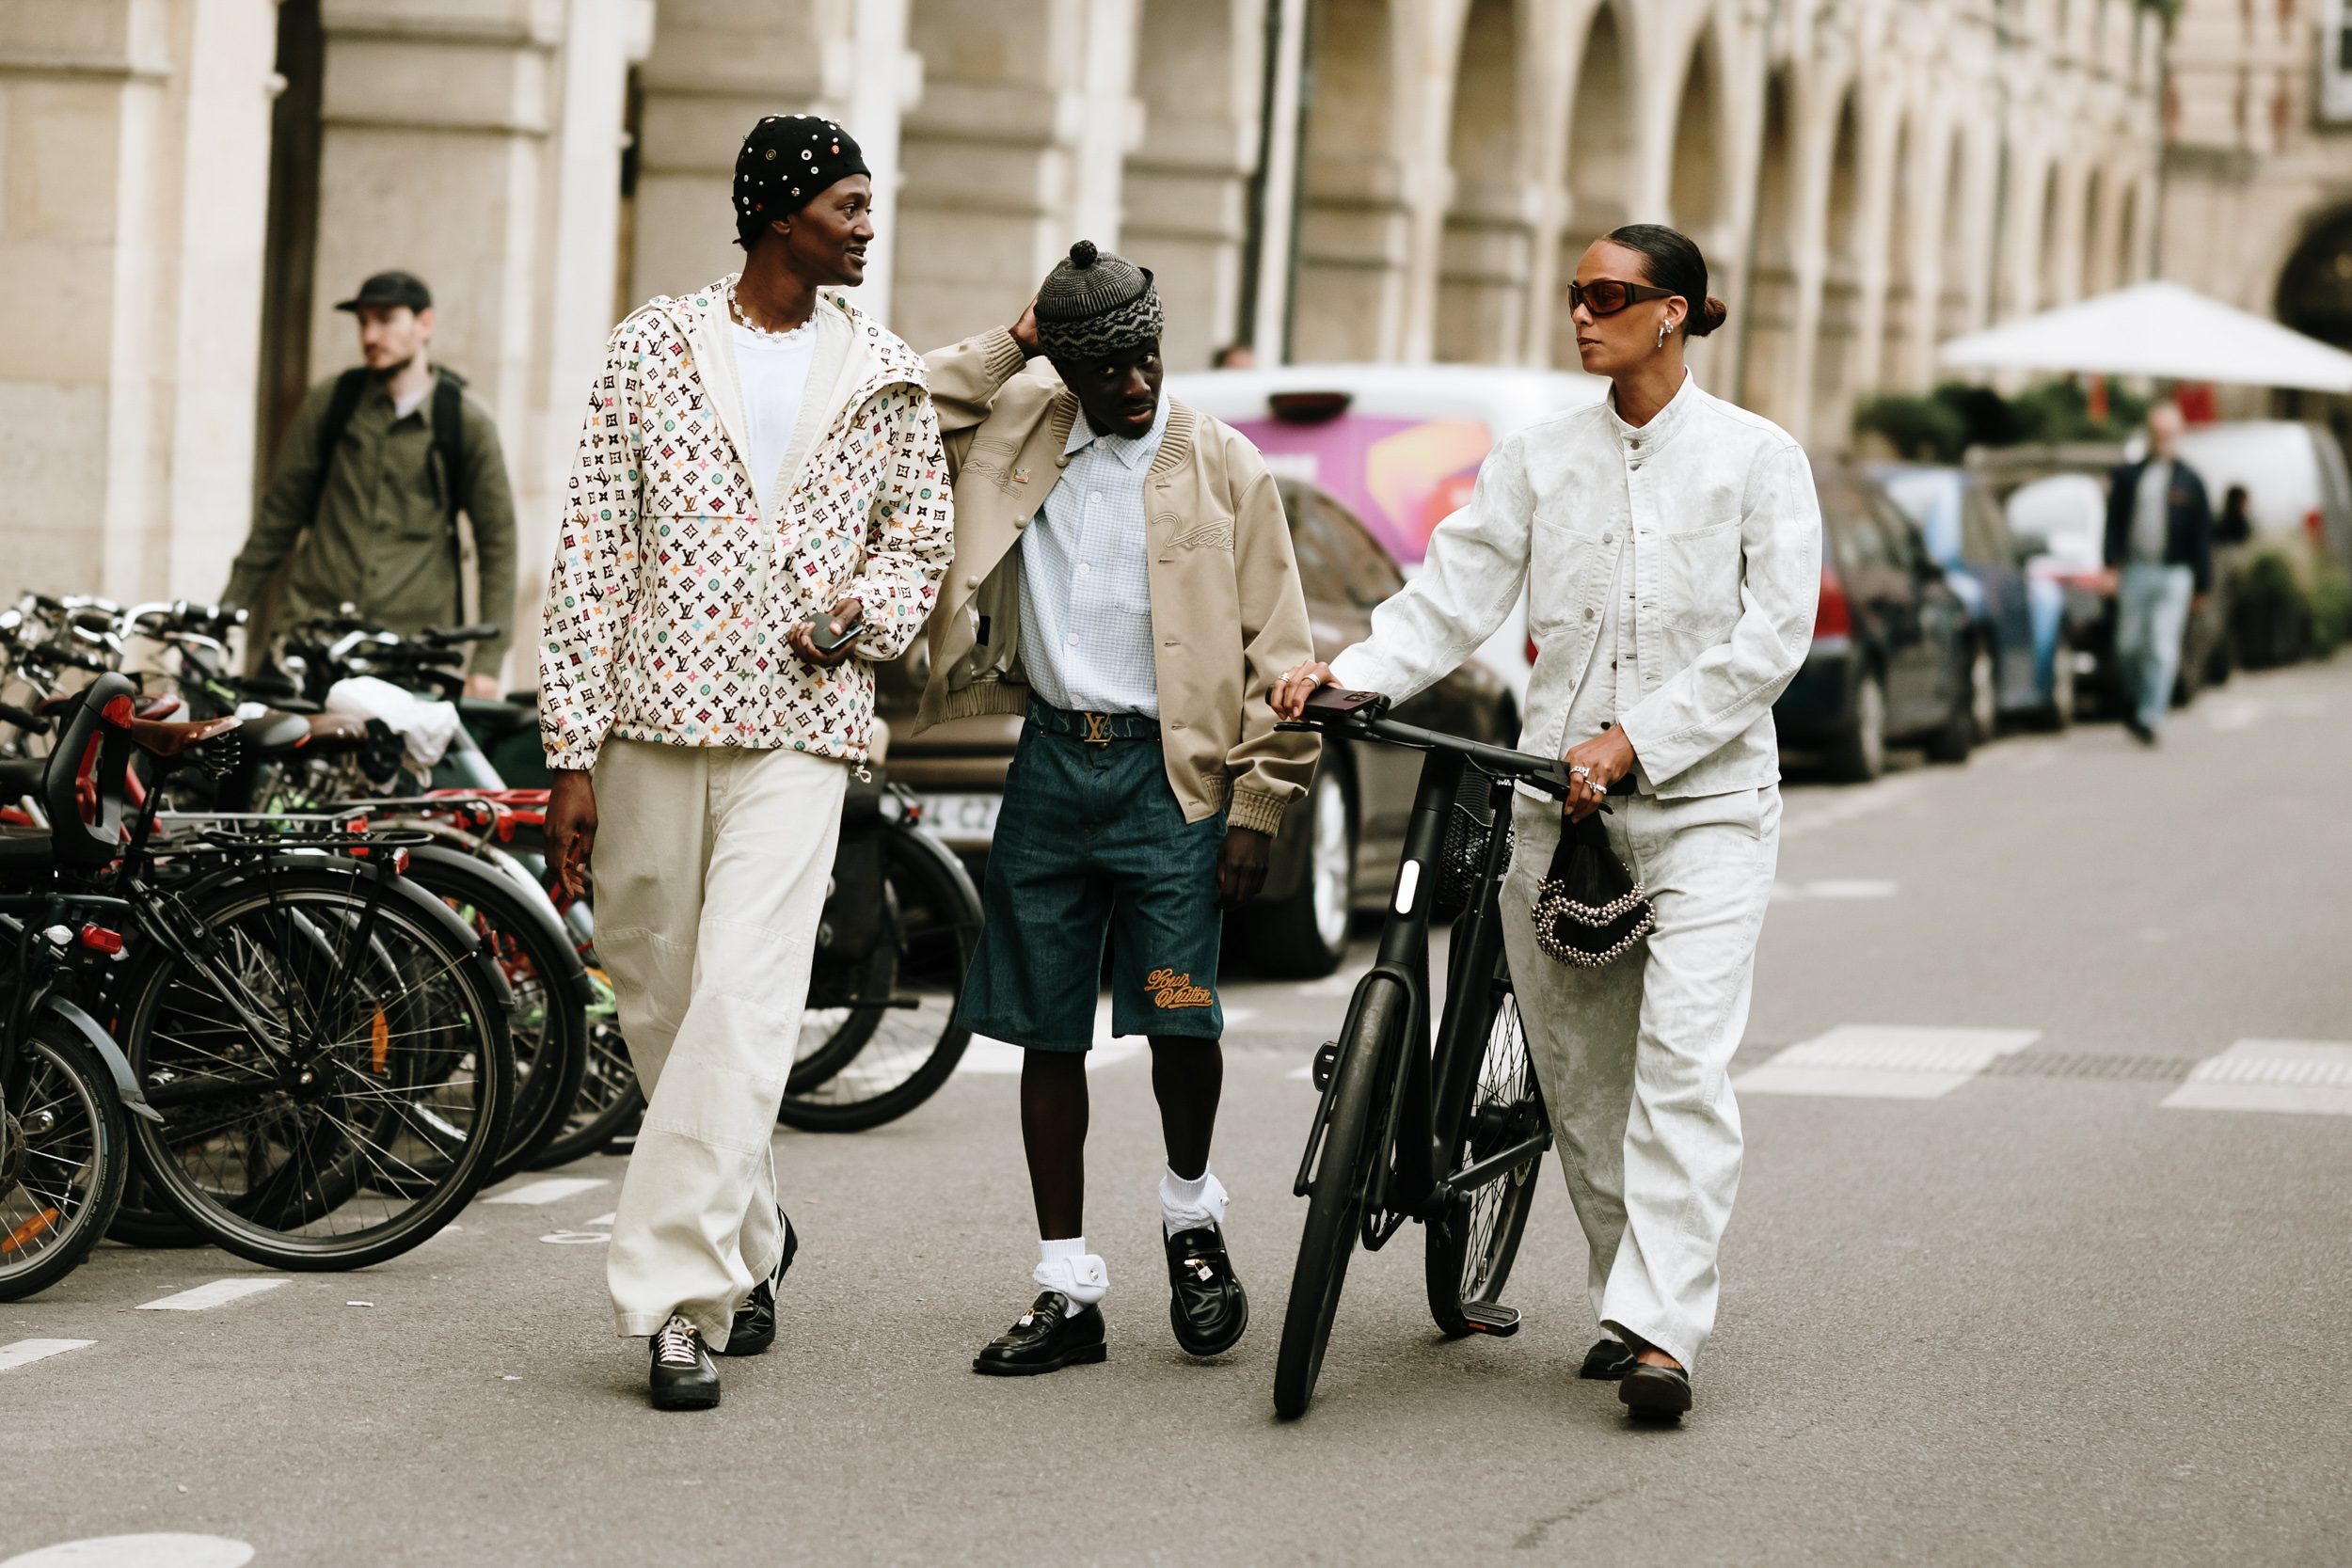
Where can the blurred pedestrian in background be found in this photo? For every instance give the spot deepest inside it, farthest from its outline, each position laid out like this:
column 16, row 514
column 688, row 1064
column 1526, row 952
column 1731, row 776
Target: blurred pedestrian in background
column 368, row 485
column 1670, row 544
column 2159, row 552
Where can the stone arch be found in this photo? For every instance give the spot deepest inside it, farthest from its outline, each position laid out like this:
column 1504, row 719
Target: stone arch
column 2315, row 285
column 1955, row 263
column 2094, row 255
column 2127, row 237
column 1600, row 159
column 1353, row 230
column 2049, row 244
column 1841, row 278
column 1771, row 303
column 1185, row 195
column 1695, row 189
column 1486, row 255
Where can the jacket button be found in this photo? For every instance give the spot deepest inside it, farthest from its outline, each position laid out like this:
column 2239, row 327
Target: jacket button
column 1608, row 538
column 1588, row 614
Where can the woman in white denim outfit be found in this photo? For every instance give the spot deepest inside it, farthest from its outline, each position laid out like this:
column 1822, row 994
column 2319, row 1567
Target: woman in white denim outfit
column 1671, row 545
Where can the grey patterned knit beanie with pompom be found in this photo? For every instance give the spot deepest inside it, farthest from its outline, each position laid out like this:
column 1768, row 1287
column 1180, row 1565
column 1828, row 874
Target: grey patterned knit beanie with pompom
column 1095, row 304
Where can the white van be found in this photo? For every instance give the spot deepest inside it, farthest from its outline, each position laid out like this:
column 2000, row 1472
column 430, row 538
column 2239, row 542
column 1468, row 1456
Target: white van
column 1398, row 445
column 2296, row 486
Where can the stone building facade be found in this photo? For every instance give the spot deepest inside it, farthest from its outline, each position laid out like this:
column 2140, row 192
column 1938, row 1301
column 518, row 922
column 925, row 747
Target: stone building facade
column 186, row 186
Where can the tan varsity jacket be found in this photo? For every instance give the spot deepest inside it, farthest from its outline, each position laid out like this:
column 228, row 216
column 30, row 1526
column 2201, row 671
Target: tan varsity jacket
column 1228, row 615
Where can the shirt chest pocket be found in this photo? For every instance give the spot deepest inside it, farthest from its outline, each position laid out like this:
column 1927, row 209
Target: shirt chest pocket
column 1696, row 581
column 1560, row 557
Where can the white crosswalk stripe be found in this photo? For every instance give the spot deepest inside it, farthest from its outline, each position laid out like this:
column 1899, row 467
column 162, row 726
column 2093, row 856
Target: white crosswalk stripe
column 552, row 1191
column 205, row 1296
column 2311, row 1077
column 1884, row 1062
column 25, row 1352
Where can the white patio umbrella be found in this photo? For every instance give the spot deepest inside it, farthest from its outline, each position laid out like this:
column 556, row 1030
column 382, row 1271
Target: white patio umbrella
column 2156, row 329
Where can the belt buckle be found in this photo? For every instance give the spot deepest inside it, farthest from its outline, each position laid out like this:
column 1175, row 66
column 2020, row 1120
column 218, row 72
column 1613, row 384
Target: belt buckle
column 1098, row 730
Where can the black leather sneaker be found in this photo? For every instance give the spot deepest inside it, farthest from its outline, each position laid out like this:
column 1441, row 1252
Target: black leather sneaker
column 1206, row 1304
column 754, row 1327
column 1607, row 1361
column 683, row 1376
column 1045, row 1339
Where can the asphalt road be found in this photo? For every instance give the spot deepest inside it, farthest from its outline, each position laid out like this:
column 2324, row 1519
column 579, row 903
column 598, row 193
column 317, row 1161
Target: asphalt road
column 2015, row 1311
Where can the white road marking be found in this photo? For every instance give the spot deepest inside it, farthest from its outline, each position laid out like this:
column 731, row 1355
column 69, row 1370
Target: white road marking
column 2311, row 1077
column 140, row 1551
column 989, row 1056
column 1342, row 984
column 1884, row 1062
column 1862, row 801
column 577, row 1238
column 1834, row 888
column 552, row 1191
column 204, row 1296
column 25, row 1351
column 606, row 1219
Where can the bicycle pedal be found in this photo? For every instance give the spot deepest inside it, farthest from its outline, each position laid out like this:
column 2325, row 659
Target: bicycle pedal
column 1487, row 1317
column 1327, row 1057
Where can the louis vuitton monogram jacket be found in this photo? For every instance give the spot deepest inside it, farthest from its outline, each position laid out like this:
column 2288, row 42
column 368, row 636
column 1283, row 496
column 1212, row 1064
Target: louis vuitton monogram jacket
column 1227, row 612
column 673, row 595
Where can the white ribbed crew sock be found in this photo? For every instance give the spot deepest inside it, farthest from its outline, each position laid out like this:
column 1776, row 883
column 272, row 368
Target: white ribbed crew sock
column 1067, row 1266
column 1190, row 1205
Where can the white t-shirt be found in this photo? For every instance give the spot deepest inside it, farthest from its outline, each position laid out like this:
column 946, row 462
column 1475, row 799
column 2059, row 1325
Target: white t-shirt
column 774, row 370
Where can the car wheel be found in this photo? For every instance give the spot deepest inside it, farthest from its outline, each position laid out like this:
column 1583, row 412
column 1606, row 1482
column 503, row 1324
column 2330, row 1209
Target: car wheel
column 1304, row 936
column 2060, row 712
column 1859, row 755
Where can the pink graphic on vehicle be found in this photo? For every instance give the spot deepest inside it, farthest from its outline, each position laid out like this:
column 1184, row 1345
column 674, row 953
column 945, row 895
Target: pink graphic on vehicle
column 1402, row 477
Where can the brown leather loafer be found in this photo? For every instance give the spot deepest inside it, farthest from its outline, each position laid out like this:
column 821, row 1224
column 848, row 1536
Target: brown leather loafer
column 1648, row 1390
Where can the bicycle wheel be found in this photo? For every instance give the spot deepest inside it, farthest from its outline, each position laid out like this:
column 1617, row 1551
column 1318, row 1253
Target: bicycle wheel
column 63, row 1162
column 1342, row 1177
column 327, row 1104
column 1471, row 1246
column 879, row 1040
column 608, row 1096
column 549, row 1025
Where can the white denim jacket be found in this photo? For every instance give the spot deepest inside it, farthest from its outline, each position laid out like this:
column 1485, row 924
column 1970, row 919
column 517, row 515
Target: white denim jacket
column 1727, row 575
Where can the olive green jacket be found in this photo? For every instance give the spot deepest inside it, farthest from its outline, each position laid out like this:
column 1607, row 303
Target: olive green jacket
column 381, row 539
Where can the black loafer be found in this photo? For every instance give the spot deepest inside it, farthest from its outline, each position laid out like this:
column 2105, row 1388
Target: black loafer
column 1045, row 1339
column 683, row 1376
column 754, row 1327
column 1607, row 1361
column 1206, row 1304
column 1648, row 1390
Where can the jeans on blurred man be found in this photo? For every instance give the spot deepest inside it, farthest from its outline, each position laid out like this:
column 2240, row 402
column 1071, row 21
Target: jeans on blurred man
column 2151, row 620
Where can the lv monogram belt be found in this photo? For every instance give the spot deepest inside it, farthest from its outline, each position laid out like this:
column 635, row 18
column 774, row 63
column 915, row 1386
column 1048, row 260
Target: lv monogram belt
column 1093, row 729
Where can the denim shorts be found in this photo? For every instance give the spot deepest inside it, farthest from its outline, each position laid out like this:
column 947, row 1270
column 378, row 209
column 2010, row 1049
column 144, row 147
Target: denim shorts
column 1091, row 848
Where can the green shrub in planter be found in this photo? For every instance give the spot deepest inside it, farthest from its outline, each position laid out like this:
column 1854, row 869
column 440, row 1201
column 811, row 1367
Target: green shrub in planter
column 2270, row 613
column 2331, row 609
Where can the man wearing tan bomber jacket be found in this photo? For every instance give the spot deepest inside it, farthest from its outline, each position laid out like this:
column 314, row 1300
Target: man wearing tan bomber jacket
column 1123, row 578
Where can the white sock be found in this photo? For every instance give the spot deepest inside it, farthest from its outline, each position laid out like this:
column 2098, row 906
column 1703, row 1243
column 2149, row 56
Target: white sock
column 1190, row 1205
column 1067, row 1266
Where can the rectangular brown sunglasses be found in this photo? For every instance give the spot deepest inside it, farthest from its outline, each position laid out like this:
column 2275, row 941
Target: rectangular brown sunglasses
column 1606, row 296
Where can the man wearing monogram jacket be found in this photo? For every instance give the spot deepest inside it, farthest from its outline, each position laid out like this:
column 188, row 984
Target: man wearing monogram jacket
column 760, row 460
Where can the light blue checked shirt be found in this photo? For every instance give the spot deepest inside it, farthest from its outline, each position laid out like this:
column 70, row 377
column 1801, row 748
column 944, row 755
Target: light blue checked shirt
column 1085, row 585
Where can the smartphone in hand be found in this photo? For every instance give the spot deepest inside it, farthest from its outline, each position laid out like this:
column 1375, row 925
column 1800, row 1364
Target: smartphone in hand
column 824, row 639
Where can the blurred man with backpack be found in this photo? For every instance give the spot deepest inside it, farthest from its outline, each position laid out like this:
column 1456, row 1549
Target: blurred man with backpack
column 378, row 463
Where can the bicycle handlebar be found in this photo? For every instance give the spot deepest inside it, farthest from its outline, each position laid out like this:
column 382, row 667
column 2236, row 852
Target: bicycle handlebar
column 1548, row 774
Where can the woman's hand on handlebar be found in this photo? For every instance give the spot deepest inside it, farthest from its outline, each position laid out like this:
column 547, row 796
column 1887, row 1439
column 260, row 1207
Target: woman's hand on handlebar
column 1592, row 766
column 1294, row 687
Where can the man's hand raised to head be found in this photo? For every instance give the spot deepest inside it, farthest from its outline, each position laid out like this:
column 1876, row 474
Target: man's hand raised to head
column 571, row 827
column 1241, row 866
column 1024, row 331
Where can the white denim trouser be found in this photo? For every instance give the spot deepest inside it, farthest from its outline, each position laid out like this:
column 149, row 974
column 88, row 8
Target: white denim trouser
column 1633, row 1057
column 711, row 864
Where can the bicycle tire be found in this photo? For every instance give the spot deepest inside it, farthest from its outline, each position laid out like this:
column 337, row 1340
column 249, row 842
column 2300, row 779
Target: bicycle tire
column 444, row 1094
column 1471, row 1248
column 936, row 928
column 550, row 1024
column 1335, row 1204
column 50, row 1217
column 608, row 1098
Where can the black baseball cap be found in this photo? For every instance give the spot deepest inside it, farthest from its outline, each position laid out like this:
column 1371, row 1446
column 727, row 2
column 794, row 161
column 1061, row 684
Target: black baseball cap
column 387, row 289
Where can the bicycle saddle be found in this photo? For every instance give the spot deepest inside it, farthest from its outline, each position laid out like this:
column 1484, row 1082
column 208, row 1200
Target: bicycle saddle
column 169, row 740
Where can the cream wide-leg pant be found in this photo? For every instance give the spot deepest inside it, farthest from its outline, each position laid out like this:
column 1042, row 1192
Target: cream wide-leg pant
column 1634, row 1057
column 711, row 864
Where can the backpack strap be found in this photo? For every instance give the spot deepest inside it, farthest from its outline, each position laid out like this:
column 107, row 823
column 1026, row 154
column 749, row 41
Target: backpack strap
column 350, row 388
column 448, row 439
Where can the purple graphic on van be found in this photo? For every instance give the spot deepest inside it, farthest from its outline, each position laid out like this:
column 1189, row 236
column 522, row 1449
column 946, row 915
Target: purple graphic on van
column 1402, row 477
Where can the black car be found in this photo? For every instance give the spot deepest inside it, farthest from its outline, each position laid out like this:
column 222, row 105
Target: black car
column 1338, row 849
column 1892, row 644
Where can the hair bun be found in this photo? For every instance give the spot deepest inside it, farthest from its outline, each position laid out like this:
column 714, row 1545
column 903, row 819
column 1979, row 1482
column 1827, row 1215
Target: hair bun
column 1710, row 316
column 1082, row 255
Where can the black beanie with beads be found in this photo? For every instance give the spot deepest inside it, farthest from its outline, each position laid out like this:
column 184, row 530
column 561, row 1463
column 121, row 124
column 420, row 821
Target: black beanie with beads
column 787, row 162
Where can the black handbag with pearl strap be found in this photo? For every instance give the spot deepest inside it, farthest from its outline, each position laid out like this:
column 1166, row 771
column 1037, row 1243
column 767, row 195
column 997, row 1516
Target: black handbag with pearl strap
column 1589, row 911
